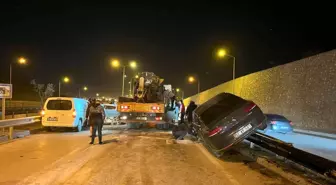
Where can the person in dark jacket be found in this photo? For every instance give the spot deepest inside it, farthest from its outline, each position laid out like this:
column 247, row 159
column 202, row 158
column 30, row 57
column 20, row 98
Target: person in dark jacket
column 182, row 111
column 191, row 107
column 87, row 113
column 173, row 103
column 179, row 131
column 96, row 115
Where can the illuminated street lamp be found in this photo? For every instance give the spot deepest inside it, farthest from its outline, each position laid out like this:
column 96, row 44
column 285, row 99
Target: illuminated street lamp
column 65, row 80
column 136, row 76
column 192, row 79
column 221, row 53
column 133, row 64
column 21, row 61
column 116, row 64
column 79, row 91
column 97, row 94
column 182, row 92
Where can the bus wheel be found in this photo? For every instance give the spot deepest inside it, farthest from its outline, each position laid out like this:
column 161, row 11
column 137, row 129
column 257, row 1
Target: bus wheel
column 79, row 126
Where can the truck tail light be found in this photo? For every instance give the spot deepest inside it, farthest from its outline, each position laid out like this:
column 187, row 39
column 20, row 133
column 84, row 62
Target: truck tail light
column 250, row 107
column 155, row 108
column 124, row 107
column 215, row 131
column 42, row 113
column 74, row 113
column 158, row 118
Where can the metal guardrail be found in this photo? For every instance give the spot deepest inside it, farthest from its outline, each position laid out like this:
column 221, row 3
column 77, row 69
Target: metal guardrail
column 315, row 133
column 11, row 123
column 311, row 161
column 19, row 121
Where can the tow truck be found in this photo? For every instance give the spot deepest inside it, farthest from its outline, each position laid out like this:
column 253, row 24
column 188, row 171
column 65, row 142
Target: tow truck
column 150, row 102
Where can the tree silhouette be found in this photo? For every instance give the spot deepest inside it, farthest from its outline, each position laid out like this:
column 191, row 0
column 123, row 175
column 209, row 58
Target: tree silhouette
column 43, row 91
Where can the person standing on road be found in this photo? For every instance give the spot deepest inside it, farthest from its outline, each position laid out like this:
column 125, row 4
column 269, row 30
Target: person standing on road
column 191, row 107
column 87, row 113
column 177, row 112
column 182, row 111
column 96, row 115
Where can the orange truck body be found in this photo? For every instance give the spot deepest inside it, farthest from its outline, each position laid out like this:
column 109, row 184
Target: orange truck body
column 133, row 112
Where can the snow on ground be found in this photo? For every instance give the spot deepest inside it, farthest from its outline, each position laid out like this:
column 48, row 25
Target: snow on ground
column 127, row 157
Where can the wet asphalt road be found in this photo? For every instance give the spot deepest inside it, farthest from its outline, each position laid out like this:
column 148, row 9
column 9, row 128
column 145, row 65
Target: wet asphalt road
column 127, row 157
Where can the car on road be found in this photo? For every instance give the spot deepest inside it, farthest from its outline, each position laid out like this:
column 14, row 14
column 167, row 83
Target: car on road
column 226, row 120
column 278, row 123
column 111, row 114
column 64, row 112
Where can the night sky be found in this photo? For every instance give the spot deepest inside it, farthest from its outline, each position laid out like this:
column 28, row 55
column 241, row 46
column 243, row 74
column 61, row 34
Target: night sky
column 172, row 40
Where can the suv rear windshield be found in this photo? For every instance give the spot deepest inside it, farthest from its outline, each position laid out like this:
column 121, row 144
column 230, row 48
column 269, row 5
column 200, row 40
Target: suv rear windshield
column 224, row 106
column 59, row 105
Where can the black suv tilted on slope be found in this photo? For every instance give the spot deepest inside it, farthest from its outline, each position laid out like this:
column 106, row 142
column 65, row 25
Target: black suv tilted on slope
column 225, row 120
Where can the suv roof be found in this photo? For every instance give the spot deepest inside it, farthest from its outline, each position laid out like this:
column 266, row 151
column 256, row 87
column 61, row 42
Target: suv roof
column 216, row 107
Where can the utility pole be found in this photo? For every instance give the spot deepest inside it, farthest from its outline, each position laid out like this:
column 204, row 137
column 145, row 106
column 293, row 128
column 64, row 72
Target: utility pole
column 3, row 113
column 123, row 81
column 59, row 88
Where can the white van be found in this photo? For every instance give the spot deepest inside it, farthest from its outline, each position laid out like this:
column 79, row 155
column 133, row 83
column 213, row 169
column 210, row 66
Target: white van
column 64, row 112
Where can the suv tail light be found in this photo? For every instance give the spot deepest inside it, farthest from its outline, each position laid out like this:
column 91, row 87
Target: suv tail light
column 155, row 108
column 74, row 113
column 42, row 113
column 215, row 131
column 250, row 107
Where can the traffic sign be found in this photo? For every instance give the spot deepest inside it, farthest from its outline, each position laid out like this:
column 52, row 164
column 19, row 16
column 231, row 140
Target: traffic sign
column 6, row 90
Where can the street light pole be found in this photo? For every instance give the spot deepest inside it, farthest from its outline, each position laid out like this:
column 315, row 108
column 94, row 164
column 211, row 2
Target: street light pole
column 222, row 53
column 59, row 88
column 198, row 86
column 199, row 89
column 123, row 81
column 3, row 112
column 233, row 72
column 10, row 73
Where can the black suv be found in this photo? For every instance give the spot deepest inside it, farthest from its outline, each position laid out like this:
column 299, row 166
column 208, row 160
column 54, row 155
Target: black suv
column 225, row 120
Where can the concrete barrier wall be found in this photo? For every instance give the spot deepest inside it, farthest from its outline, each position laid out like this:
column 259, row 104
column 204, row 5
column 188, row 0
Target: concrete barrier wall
column 304, row 91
